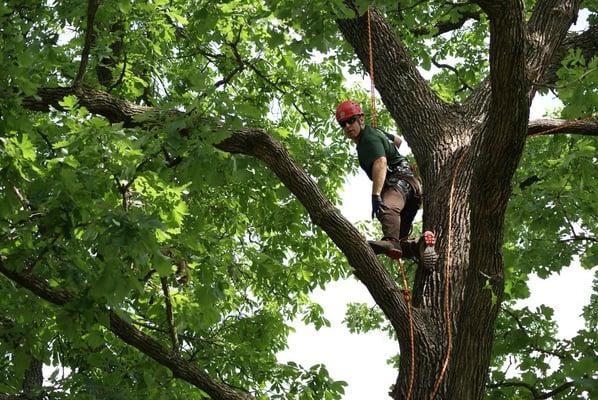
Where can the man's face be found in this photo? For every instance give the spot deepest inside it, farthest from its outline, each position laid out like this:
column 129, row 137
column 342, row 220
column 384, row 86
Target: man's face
column 352, row 126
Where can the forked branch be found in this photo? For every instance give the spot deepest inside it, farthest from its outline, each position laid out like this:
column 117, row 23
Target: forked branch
column 92, row 8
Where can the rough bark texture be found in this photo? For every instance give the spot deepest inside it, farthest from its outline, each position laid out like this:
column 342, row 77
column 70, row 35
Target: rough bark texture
column 477, row 146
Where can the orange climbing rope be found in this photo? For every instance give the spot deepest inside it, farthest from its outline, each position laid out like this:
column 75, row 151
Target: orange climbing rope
column 447, row 271
column 371, row 64
column 407, row 297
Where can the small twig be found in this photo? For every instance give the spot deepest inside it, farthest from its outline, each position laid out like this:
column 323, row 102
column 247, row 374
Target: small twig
column 579, row 238
column 554, row 392
column 454, row 70
column 22, row 199
column 92, row 8
column 448, row 26
column 47, row 140
column 122, row 189
column 533, row 390
column 573, row 233
column 230, row 76
column 122, row 75
column 169, row 314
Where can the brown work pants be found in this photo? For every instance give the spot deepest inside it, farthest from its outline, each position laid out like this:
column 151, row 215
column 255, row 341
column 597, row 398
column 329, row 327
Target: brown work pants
column 397, row 217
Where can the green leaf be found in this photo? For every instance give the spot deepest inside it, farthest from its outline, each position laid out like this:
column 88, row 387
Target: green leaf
column 69, row 103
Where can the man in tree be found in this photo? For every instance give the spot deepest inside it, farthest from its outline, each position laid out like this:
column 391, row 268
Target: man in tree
column 396, row 191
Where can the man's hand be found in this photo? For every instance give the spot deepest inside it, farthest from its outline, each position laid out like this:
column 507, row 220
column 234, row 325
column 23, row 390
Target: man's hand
column 378, row 205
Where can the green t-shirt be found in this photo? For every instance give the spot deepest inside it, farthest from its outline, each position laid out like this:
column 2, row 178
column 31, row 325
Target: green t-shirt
column 374, row 144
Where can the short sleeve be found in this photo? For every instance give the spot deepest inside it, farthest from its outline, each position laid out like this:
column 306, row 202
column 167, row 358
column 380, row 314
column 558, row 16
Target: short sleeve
column 370, row 150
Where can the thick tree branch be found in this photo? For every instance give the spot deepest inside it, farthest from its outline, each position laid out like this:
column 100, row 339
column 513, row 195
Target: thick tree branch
column 586, row 41
column 129, row 334
column 92, row 8
column 507, row 116
column 547, row 28
column 97, row 102
column 406, row 94
column 453, row 69
column 33, row 380
column 549, row 126
column 257, row 143
column 507, row 69
column 448, row 26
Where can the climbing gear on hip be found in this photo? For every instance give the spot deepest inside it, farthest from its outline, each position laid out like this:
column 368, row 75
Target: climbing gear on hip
column 404, row 172
column 402, row 185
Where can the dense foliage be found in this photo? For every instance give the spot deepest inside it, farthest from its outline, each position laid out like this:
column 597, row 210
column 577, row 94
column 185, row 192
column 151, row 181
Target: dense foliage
column 146, row 217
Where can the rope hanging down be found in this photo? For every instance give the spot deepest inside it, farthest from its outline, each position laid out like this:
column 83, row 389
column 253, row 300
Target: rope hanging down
column 407, row 297
column 374, row 118
column 447, row 271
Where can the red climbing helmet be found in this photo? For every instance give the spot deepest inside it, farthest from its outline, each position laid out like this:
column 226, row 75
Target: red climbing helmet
column 347, row 109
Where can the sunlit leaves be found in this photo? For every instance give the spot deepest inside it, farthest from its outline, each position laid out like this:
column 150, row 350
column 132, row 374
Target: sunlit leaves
column 578, row 79
column 106, row 210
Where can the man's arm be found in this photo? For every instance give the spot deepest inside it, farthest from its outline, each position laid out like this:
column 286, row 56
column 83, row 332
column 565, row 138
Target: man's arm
column 395, row 139
column 379, row 167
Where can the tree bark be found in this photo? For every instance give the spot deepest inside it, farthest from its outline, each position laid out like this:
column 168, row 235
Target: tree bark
column 467, row 156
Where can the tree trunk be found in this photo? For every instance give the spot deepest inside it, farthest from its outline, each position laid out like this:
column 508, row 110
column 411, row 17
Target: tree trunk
column 467, row 156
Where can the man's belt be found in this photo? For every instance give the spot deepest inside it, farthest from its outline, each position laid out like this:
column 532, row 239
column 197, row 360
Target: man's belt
column 403, row 177
column 404, row 187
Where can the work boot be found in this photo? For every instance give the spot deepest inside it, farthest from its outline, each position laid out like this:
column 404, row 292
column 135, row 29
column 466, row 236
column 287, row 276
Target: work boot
column 391, row 248
column 427, row 253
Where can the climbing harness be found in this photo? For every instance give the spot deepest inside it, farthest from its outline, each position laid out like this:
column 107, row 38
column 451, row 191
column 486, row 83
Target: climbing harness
column 371, row 64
